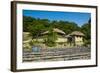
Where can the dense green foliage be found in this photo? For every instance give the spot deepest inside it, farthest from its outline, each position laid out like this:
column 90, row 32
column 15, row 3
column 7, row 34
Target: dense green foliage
column 36, row 26
column 33, row 24
column 50, row 38
column 86, row 29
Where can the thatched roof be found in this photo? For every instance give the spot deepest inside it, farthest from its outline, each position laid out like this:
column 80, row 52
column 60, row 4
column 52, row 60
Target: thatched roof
column 77, row 33
column 67, row 36
column 55, row 30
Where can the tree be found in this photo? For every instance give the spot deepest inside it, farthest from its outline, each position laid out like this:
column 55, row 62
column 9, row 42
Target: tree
column 66, row 26
column 51, row 38
column 36, row 30
column 86, row 29
column 27, row 21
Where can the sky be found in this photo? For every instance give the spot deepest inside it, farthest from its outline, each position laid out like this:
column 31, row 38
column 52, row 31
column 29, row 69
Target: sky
column 79, row 18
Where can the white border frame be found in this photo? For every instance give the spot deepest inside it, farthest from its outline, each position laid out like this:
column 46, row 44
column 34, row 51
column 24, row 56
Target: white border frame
column 21, row 65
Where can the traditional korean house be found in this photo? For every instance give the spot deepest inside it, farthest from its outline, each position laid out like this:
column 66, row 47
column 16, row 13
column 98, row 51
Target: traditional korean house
column 77, row 38
column 61, row 35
